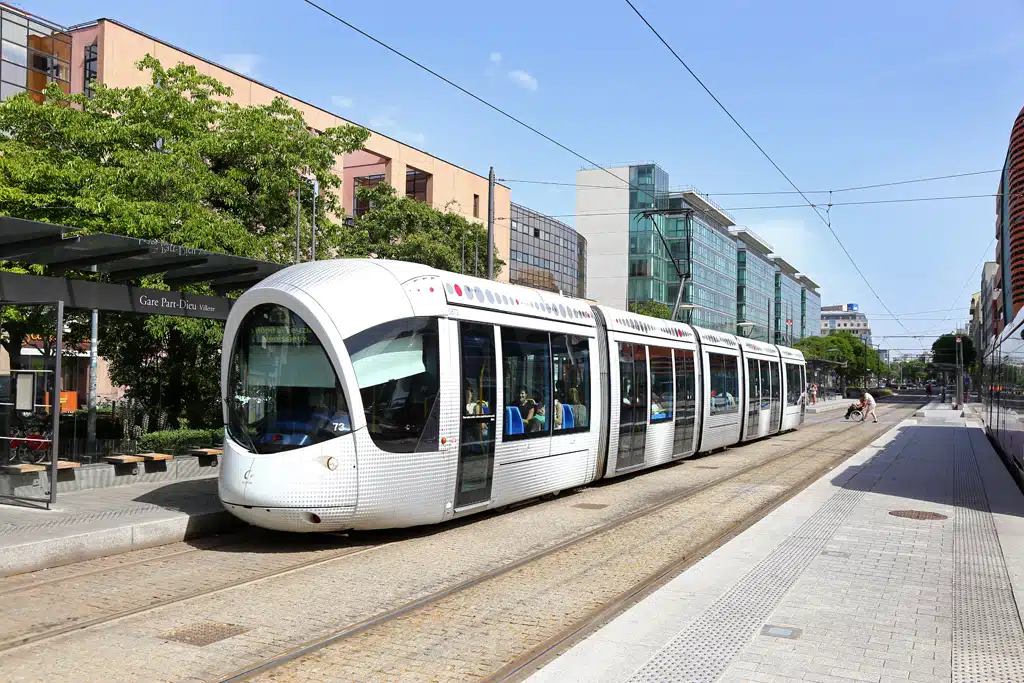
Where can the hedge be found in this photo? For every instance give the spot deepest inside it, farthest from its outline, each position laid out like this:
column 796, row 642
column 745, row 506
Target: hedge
column 178, row 441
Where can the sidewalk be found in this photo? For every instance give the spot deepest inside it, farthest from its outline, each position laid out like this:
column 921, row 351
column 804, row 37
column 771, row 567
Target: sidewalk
column 834, row 587
column 100, row 522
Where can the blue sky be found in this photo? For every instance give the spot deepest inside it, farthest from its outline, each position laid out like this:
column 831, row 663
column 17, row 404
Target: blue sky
column 840, row 94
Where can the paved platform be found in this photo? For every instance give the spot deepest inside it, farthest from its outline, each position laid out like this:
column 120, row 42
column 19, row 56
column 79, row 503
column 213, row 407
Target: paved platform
column 832, row 587
column 100, row 522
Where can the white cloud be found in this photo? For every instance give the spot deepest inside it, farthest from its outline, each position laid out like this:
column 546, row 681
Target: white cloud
column 341, row 102
column 385, row 122
column 496, row 58
column 523, row 79
column 245, row 63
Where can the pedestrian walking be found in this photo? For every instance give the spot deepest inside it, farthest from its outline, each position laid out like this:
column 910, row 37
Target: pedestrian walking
column 869, row 407
column 814, row 393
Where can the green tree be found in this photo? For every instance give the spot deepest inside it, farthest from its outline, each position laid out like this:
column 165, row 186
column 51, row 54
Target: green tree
column 654, row 309
column 398, row 227
column 856, row 358
column 173, row 161
column 944, row 350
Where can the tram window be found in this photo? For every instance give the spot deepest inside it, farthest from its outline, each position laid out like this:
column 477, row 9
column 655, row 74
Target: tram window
column 794, row 385
column 396, row 365
column 753, row 384
column 724, row 382
column 527, row 362
column 571, row 362
column 283, row 392
column 661, row 384
column 767, row 368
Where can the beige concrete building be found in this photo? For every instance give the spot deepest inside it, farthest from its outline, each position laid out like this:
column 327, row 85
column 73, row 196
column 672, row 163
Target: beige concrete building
column 106, row 51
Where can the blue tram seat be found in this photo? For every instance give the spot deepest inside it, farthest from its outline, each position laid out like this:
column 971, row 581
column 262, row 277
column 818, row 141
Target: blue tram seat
column 513, row 420
column 568, row 421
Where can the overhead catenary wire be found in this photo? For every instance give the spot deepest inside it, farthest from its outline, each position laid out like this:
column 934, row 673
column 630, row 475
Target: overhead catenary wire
column 764, row 192
column 767, row 207
column 497, row 109
column 766, row 156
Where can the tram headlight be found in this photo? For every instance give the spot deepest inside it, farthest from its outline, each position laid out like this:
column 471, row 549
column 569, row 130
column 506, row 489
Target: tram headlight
column 332, row 464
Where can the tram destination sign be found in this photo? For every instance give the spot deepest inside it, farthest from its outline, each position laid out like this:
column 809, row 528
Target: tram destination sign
column 18, row 288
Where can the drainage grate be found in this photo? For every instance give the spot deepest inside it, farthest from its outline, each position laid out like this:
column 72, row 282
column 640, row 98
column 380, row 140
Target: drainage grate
column 202, row 633
column 590, row 506
column 781, row 631
column 918, row 514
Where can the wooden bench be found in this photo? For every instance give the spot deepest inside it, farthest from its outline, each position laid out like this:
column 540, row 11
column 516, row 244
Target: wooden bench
column 22, row 468
column 155, row 457
column 206, row 452
column 123, row 459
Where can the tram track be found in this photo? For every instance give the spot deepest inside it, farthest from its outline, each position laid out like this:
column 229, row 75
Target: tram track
column 14, row 643
column 608, row 609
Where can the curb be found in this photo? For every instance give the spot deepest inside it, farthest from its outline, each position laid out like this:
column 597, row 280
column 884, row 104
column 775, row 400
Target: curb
column 110, row 539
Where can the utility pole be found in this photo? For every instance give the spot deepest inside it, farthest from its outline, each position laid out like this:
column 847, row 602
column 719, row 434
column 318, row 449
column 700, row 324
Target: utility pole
column 490, row 225
column 93, row 363
column 298, row 221
column 316, row 193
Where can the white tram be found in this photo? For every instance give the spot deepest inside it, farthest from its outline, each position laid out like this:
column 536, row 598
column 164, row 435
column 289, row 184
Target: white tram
column 363, row 394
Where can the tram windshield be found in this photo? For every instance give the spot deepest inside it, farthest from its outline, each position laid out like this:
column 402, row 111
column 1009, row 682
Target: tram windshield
column 283, row 392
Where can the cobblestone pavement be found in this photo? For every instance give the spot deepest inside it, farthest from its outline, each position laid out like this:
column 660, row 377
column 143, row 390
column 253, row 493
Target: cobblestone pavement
column 282, row 612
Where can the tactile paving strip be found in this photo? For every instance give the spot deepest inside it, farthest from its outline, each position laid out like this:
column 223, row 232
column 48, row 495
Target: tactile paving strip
column 703, row 650
column 988, row 640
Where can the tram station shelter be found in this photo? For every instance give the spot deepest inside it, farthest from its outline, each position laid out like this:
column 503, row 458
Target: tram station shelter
column 117, row 260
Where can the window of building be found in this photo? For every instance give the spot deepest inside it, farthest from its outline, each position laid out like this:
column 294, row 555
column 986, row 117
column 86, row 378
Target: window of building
column 476, row 206
column 662, row 393
column 91, row 67
column 571, row 360
column 283, row 392
column 416, row 184
column 724, row 383
column 794, row 384
column 396, row 366
column 526, row 357
column 361, row 206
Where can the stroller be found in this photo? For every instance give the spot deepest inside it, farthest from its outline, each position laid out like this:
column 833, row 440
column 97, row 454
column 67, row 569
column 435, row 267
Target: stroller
column 855, row 411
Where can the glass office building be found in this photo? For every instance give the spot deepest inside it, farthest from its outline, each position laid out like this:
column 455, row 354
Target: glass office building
column 810, row 308
column 755, row 287
column 546, row 254
column 788, row 303
column 694, row 232
column 35, row 53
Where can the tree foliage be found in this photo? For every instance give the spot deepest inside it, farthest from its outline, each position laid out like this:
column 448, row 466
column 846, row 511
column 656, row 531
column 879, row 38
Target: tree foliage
column 172, row 161
column 944, row 350
column 398, row 227
column 856, row 357
column 654, row 309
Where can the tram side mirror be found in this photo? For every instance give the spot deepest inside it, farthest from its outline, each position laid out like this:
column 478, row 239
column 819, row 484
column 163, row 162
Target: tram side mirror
column 24, row 391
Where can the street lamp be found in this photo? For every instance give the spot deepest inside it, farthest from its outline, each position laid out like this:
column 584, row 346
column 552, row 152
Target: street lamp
column 688, row 308
column 748, row 327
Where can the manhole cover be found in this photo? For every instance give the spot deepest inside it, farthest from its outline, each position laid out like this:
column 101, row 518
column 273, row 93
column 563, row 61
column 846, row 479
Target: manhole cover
column 203, row 633
column 590, row 506
column 834, row 553
column 918, row 514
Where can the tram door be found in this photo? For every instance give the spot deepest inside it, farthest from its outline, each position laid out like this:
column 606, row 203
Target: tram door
column 478, row 402
column 633, row 405
column 753, row 399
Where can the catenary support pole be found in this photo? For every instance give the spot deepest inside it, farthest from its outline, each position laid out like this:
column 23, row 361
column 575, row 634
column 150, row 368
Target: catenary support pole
column 93, row 365
column 490, row 225
column 316, row 193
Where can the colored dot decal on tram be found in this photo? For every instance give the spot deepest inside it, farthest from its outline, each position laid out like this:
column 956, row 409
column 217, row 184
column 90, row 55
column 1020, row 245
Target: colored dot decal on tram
column 561, row 310
column 479, row 294
column 490, row 297
column 469, row 293
column 458, row 290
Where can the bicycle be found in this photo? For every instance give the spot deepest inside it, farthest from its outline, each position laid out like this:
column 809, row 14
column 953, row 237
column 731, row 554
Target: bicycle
column 29, row 447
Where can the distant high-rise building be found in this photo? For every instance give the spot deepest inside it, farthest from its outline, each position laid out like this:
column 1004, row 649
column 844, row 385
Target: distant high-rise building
column 547, row 253
column 845, row 318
